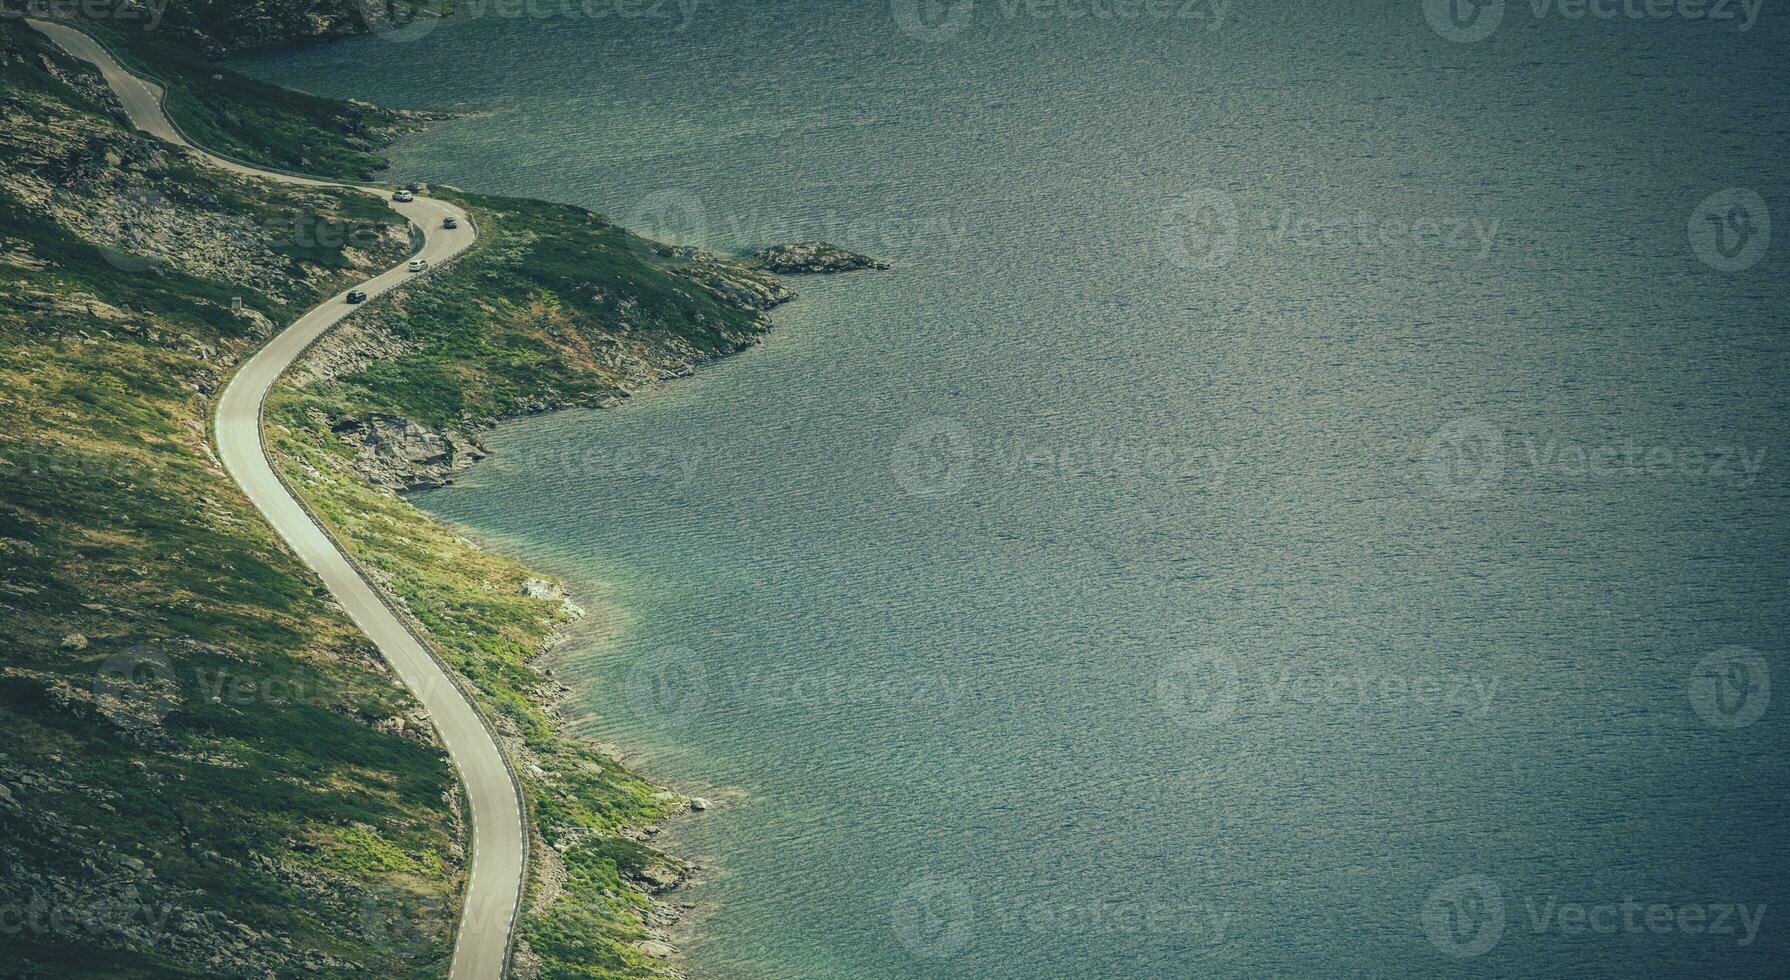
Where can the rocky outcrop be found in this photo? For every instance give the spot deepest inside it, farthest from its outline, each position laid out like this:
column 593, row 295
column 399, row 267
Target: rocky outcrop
column 220, row 27
column 112, row 188
column 540, row 588
column 348, row 349
column 813, row 258
column 732, row 282
column 398, row 454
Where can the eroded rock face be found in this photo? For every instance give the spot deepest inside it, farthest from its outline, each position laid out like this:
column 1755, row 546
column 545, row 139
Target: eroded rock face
column 398, row 454
column 540, row 588
column 731, row 282
column 813, row 258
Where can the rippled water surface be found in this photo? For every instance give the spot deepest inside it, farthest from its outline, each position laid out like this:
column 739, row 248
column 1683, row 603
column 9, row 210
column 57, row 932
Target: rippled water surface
column 1310, row 499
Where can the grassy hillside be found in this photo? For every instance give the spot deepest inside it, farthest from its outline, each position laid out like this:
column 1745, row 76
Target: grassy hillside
column 251, row 120
column 209, row 772
column 554, row 306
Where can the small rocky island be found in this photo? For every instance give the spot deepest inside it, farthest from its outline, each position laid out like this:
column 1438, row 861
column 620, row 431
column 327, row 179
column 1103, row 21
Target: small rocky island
column 813, row 258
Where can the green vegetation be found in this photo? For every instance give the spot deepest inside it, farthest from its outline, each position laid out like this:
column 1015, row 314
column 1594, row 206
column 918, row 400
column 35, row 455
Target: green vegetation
column 255, row 122
column 540, row 313
column 193, row 726
column 554, row 306
column 193, row 732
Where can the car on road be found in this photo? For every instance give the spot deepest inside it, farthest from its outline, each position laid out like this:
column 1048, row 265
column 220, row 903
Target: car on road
column 403, row 196
column 450, row 222
column 418, row 265
column 357, row 296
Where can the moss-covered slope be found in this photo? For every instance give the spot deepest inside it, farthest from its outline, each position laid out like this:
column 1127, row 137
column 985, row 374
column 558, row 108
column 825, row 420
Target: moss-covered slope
column 205, row 761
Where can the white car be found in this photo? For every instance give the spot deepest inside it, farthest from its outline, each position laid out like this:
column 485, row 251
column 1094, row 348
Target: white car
column 403, row 196
column 418, row 265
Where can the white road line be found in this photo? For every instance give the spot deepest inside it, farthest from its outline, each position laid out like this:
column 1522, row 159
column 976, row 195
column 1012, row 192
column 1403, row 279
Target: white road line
column 499, row 842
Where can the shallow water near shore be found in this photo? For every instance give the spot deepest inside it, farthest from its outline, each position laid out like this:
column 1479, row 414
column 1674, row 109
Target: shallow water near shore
column 1306, row 501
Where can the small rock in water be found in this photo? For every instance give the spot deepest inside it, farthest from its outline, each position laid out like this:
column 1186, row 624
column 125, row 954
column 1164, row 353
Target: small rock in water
column 814, row 258
column 698, row 803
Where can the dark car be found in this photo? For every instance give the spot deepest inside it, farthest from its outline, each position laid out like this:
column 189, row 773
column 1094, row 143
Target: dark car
column 357, row 296
column 450, row 222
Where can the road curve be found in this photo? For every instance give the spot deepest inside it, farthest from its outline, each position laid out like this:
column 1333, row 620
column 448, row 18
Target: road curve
column 494, row 883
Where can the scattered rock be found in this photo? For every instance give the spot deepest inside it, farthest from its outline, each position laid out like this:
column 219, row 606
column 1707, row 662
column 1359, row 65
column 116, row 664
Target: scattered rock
column 661, row 877
column 540, row 588
column 813, row 258
column 744, row 285
column 399, row 454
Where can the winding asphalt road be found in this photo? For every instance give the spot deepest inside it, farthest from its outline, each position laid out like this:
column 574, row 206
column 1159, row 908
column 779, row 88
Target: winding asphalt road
column 498, row 846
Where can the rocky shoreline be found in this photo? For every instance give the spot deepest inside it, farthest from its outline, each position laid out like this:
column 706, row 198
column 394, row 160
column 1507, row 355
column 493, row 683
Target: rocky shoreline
column 402, row 455
column 397, row 455
column 619, row 315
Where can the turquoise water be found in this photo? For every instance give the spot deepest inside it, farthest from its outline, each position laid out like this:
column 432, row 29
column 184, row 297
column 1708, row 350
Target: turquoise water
column 1310, row 499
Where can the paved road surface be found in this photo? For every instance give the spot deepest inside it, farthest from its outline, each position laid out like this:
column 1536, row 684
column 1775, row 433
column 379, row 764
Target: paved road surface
column 498, row 843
